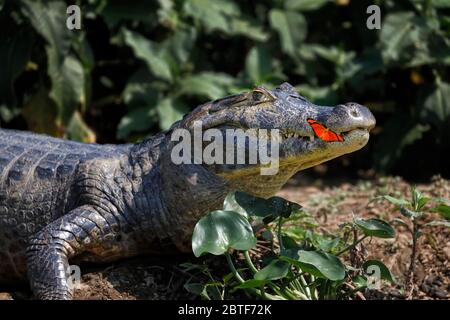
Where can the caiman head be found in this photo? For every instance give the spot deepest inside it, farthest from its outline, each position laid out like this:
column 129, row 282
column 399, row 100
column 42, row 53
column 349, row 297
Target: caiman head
column 298, row 146
column 192, row 189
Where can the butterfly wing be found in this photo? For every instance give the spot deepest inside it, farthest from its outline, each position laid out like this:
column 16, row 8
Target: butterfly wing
column 323, row 132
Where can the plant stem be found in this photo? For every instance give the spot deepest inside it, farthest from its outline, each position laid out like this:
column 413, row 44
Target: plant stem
column 280, row 241
column 233, row 269
column 412, row 264
column 241, row 280
column 354, row 244
column 249, row 262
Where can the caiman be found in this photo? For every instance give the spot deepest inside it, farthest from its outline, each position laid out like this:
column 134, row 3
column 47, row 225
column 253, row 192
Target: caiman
column 67, row 202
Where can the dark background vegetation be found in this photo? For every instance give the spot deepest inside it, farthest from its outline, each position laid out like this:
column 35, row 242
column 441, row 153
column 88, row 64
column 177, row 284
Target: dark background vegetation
column 137, row 66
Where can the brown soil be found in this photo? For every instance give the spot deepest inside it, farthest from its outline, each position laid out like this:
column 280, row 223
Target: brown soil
column 330, row 203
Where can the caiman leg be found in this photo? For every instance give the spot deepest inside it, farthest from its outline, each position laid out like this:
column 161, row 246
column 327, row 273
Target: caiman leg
column 49, row 251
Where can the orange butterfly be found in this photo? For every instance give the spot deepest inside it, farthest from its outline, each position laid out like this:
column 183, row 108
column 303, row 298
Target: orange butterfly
column 323, row 132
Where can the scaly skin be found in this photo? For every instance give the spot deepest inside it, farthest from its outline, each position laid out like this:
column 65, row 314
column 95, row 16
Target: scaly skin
column 62, row 201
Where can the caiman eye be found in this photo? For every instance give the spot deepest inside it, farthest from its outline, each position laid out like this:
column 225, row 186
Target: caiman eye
column 260, row 95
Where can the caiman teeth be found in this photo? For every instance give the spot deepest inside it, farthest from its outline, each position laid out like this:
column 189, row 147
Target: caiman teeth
column 292, row 134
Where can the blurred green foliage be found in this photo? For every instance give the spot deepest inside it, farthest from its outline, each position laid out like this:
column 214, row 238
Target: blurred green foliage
column 135, row 67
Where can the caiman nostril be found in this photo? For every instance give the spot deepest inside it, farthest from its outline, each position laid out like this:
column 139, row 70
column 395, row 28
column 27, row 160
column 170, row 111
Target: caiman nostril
column 354, row 113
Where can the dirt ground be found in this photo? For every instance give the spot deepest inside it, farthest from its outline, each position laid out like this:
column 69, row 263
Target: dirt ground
column 330, row 203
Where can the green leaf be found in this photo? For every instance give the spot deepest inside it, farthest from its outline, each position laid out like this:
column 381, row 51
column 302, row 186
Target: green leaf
column 49, row 20
column 206, row 84
column 230, row 204
column 249, row 28
column 170, row 110
column 375, row 228
column 360, row 281
column 252, row 283
column 78, row 130
column 443, row 210
column 138, row 120
column 436, row 107
column 410, row 214
column 324, row 243
column 180, row 45
column 305, row 5
column 291, row 27
column 260, row 207
column 214, row 15
column 275, row 270
column 157, row 60
column 220, row 231
column 318, row 263
column 67, row 84
column 258, row 65
column 404, row 39
column 396, row 201
column 385, row 274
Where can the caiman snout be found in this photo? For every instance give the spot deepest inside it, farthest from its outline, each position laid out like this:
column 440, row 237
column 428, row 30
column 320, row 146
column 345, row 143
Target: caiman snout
column 351, row 116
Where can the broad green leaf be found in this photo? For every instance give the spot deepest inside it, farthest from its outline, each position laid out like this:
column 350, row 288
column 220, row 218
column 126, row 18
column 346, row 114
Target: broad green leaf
column 249, row 28
column 181, row 43
column 443, row 210
column 385, row 273
column 206, row 84
column 258, row 65
column 319, row 95
column 156, row 59
column 252, row 283
column 214, row 15
column 291, row 27
column 289, row 243
column 260, row 207
column 49, row 20
column 436, row 107
column 78, row 130
column 275, row 270
column 137, row 120
column 67, row 84
column 318, row 263
column 375, row 228
column 169, row 111
column 220, row 231
column 397, row 35
column 230, row 204
column 324, row 243
column 305, row 5
column 65, row 71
